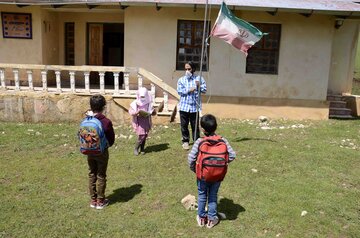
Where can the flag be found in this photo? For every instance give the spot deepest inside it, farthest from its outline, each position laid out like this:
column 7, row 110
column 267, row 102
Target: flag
column 238, row 33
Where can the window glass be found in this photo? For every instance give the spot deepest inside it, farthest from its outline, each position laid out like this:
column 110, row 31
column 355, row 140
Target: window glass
column 189, row 43
column 263, row 57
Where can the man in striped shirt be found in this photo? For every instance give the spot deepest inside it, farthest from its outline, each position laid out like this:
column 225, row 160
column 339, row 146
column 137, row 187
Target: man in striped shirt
column 187, row 88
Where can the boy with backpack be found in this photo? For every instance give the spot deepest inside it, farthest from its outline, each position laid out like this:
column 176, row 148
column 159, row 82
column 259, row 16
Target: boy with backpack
column 209, row 159
column 96, row 135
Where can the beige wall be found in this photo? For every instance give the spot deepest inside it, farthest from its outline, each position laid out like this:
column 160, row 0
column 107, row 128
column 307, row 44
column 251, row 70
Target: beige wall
column 47, row 45
column 306, row 49
column 305, row 44
column 343, row 57
column 357, row 61
column 81, row 19
column 50, row 36
column 22, row 51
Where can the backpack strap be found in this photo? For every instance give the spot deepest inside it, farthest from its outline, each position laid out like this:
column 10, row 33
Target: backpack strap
column 211, row 139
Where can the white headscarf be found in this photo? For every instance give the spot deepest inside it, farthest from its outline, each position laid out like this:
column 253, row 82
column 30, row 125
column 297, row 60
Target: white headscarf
column 143, row 97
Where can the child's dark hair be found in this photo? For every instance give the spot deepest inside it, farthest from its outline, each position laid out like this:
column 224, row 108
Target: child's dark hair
column 97, row 103
column 192, row 65
column 208, row 123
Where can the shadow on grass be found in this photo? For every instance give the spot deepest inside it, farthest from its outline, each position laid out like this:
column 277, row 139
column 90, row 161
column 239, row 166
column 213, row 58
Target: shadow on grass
column 249, row 138
column 157, row 148
column 124, row 194
column 230, row 209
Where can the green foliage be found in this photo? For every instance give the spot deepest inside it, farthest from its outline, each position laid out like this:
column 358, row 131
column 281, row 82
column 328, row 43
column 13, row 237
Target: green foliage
column 281, row 170
column 356, row 87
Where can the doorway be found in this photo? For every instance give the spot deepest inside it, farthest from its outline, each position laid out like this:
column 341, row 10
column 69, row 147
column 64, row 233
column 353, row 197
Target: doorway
column 106, row 48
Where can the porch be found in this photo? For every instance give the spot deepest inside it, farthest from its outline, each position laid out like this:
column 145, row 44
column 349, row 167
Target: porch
column 20, row 79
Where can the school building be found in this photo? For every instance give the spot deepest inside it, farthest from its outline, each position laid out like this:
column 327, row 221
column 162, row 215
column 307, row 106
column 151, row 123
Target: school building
column 305, row 63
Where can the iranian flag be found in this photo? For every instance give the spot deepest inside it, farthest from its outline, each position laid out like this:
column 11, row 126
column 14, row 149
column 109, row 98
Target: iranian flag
column 238, row 33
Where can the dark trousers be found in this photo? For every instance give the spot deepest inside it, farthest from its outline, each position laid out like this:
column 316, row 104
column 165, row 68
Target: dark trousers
column 142, row 139
column 97, row 174
column 185, row 118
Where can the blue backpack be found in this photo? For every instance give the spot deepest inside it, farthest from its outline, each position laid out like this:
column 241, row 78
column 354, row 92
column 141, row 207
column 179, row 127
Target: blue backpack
column 92, row 136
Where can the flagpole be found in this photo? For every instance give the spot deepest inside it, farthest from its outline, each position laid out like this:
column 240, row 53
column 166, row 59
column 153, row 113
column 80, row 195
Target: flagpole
column 200, row 74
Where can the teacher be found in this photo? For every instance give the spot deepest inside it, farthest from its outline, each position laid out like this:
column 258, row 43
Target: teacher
column 188, row 87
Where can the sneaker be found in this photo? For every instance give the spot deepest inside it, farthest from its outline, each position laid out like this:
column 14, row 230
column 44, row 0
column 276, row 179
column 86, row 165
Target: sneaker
column 136, row 151
column 201, row 221
column 212, row 223
column 102, row 203
column 93, row 203
column 185, row 146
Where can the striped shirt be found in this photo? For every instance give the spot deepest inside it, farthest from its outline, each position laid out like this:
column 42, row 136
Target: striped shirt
column 195, row 151
column 188, row 100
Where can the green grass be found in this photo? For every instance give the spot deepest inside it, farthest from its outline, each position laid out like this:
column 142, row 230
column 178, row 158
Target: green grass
column 314, row 168
column 356, row 87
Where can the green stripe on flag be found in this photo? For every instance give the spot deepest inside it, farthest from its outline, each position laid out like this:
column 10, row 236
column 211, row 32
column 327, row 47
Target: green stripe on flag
column 241, row 24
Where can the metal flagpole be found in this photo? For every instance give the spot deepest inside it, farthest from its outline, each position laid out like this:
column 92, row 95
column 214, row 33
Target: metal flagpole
column 200, row 74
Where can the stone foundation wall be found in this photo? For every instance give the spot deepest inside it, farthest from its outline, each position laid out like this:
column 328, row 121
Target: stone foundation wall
column 46, row 107
column 50, row 107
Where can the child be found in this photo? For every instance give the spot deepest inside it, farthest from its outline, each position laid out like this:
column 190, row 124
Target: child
column 141, row 110
column 98, row 163
column 207, row 191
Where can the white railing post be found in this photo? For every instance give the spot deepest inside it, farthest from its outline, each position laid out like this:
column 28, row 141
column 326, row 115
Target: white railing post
column 72, row 81
column 58, row 81
column 140, row 80
column 87, row 81
column 30, row 79
column 166, row 98
column 16, row 79
column 102, row 82
column 2, row 79
column 44, row 80
column 116, row 83
column 152, row 91
column 127, row 83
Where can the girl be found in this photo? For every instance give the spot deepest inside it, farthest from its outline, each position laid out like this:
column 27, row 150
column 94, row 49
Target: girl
column 141, row 110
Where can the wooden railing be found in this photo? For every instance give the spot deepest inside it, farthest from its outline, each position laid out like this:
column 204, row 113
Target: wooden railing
column 85, row 89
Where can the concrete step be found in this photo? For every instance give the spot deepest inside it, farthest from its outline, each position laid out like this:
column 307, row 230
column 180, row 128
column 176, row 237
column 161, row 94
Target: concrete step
column 339, row 111
column 334, row 97
column 337, row 104
column 341, row 117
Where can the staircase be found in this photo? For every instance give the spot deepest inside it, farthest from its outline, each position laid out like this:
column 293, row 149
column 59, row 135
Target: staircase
column 338, row 107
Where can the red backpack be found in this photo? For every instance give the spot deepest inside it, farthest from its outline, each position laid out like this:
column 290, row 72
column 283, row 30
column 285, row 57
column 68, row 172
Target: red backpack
column 212, row 160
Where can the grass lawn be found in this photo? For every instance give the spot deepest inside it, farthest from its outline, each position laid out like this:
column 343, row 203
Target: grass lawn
column 282, row 170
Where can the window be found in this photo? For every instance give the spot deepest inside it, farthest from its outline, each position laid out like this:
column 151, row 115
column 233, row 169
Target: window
column 69, row 43
column 189, row 43
column 263, row 57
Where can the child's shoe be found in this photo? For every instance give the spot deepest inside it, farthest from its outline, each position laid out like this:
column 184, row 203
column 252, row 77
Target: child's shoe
column 136, row 149
column 142, row 148
column 93, row 203
column 201, row 221
column 212, row 223
column 101, row 203
column 185, row 146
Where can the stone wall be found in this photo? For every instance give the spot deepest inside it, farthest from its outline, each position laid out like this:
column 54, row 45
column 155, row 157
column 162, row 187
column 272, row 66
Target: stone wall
column 50, row 107
column 47, row 107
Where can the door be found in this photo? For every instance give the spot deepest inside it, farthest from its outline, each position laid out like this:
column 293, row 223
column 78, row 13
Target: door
column 95, row 49
column 95, row 44
column 105, row 48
